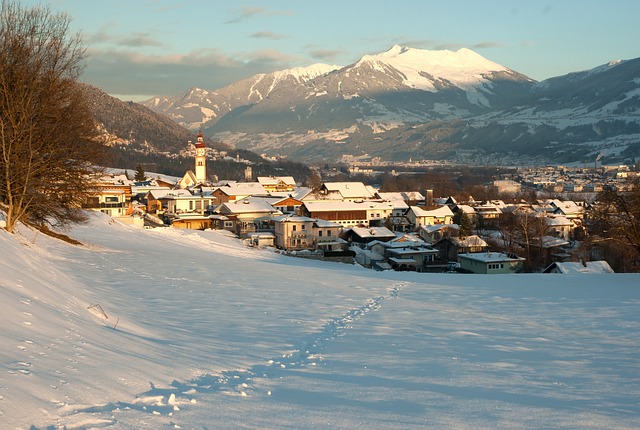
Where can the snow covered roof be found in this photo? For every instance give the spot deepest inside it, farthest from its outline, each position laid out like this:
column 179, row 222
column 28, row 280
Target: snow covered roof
column 323, row 223
column 160, row 193
column 243, row 189
column 335, row 205
column 274, row 180
column 115, row 179
column 466, row 209
column 437, row 227
column 469, row 241
column 568, row 207
column 558, row 221
column 402, row 196
column 297, row 193
column 247, row 205
column 578, row 267
column 439, row 212
column 351, row 190
column 490, row 257
column 369, row 232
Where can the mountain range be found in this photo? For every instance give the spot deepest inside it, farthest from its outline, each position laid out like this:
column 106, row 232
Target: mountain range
column 412, row 104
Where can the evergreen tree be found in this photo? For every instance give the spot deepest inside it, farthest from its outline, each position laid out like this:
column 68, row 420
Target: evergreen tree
column 465, row 223
column 140, row 175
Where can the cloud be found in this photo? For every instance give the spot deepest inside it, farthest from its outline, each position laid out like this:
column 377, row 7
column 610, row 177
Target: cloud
column 450, row 46
column 118, row 71
column 268, row 35
column 246, row 12
column 135, row 40
column 414, row 43
column 483, row 45
column 480, row 45
column 325, row 54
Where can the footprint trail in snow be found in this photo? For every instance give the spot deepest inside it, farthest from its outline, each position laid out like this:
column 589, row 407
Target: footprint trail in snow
column 306, row 353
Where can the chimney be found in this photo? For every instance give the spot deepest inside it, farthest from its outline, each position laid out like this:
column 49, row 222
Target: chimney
column 428, row 198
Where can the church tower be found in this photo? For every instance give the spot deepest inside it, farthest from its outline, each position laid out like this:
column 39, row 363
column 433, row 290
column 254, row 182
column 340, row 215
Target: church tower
column 201, row 159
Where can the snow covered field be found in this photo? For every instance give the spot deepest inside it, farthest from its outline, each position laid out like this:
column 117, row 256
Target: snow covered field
column 165, row 328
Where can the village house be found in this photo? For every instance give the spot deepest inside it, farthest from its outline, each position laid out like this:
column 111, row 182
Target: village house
column 347, row 191
column 178, row 202
column 233, row 191
column 294, row 232
column 451, row 247
column 402, row 255
column 277, row 184
column 346, row 213
column 112, row 202
column 411, row 198
column 488, row 215
column 249, row 215
column 490, row 263
column 154, row 198
column 418, row 216
column 559, row 226
column 286, row 205
column 362, row 235
column 391, row 213
column 192, row 221
column 110, row 194
column 569, row 209
column 434, row 233
column 468, row 210
column 139, row 189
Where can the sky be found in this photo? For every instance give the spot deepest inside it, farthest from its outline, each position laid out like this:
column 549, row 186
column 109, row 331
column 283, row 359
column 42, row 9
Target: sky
column 144, row 48
column 170, row 328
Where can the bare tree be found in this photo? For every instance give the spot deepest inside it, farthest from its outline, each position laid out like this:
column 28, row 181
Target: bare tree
column 47, row 132
column 616, row 216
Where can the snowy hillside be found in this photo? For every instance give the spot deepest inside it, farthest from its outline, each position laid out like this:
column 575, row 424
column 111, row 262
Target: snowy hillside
column 164, row 328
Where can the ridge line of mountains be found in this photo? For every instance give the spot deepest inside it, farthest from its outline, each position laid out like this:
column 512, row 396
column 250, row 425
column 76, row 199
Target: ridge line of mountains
column 409, row 104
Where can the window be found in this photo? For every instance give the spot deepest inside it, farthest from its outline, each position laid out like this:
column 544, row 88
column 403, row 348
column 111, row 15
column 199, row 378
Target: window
column 110, row 199
column 294, row 228
column 328, row 232
column 228, row 224
column 319, row 233
column 303, row 227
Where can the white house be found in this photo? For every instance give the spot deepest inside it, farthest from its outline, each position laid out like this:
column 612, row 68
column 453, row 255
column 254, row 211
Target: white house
column 293, row 232
column 490, row 262
column 419, row 216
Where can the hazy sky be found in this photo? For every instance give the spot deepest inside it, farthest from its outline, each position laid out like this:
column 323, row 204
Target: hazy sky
column 143, row 48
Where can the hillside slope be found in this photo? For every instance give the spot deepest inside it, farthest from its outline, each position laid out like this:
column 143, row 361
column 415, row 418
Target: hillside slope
column 168, row 328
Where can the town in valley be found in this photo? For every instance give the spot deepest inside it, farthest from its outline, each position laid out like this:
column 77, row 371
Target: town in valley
column 526, row 219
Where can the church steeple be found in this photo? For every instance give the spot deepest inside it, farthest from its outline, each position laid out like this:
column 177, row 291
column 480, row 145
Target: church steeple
column 201, row 159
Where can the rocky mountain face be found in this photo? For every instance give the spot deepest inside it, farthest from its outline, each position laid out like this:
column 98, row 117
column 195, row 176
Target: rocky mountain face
column 411, row 104
column 138, row 128
column 137, row 135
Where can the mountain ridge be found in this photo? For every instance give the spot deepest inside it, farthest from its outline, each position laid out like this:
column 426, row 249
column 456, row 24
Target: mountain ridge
column 390, row 97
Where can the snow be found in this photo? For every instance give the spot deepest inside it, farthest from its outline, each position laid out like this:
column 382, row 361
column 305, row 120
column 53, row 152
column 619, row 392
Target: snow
column 168, row 328
column 462, row 68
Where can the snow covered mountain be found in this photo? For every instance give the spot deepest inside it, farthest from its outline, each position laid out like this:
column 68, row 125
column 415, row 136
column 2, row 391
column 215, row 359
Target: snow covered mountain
column 409, row 103
column 197, row 107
